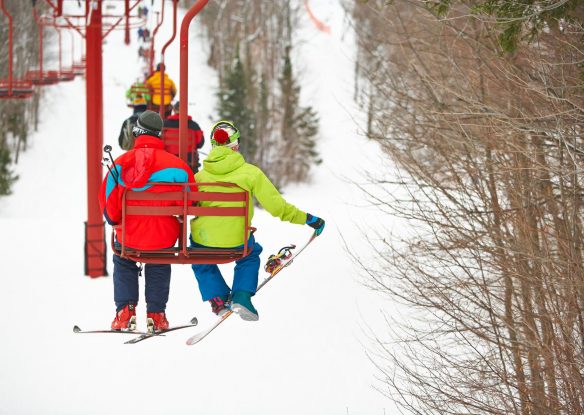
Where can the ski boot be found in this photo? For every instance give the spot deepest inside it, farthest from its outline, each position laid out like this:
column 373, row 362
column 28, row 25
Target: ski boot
column 156, row 322
column 242, row 305
column 220, row 305
column 125, row 319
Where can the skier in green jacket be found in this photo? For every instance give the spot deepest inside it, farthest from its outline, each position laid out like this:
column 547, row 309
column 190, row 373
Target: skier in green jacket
column 226, row 164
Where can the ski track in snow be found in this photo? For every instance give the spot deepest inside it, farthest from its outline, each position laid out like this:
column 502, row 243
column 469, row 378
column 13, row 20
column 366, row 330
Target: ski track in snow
column 307, row 354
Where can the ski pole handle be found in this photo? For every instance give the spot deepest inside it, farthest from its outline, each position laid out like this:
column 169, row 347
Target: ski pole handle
column 108, row 149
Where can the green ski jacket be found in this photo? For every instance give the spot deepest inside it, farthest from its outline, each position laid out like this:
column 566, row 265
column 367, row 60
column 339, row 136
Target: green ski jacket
column 225, row 165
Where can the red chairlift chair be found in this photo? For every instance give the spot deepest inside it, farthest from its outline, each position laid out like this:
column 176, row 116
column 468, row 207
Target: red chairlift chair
column 65, row 74
column 136, row 90
column 39, row 76
column 183, row 204
column 79, row 67
column 76, row 69
column 171, row 139
column 13, row 88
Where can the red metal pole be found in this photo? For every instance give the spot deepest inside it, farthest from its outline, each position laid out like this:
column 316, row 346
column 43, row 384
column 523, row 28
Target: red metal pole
column 184, row 76
column 60, row 50
column 95, row 247
column 127, row 30
column 40, row 28
column 9, row 46
column 162, row 108
column 159, row 23
column 72, row 48
column 166, row 45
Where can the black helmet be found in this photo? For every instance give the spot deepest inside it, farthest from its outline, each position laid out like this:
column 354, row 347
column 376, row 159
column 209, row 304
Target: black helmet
column 149, row 122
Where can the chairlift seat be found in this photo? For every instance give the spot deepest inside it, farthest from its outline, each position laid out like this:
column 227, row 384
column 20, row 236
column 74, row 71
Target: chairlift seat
column 43, row 78
column 66, row 74
column 16, row 89
column 143, row 89
column 184, row 204
column 78, row 68
column 136, row 90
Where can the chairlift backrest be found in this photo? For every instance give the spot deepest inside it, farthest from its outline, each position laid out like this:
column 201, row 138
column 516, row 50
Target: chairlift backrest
column 184, row 205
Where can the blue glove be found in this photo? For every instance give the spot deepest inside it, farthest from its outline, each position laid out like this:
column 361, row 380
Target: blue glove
column 315, row 222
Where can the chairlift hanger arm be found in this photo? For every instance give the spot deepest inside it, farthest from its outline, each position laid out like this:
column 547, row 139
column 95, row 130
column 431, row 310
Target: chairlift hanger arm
column 167, row 44
column 159, row 19
column 58, row 9
column 114, row 25
column 69, row 23
column 184, row 74
column 163, row 68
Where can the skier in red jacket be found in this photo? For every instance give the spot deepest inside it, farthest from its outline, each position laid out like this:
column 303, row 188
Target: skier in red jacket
column 195, row 137
column 146, row 162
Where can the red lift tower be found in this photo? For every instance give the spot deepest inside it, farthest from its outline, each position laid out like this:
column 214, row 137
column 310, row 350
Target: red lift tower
column 95, row 26
column 95, row 245
column 95, row 241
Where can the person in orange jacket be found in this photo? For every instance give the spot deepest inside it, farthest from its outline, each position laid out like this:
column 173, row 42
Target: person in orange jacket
column 155, row 82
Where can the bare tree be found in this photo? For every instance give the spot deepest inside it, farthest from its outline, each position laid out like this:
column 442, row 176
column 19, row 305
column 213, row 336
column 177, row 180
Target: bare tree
column 17, row 117
column 490, row 147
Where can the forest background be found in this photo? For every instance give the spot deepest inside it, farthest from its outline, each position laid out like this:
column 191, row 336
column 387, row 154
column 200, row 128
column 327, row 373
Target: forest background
column 480, row 106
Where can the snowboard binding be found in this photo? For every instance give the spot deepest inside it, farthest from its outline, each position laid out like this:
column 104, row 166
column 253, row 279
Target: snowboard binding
column 275, row 260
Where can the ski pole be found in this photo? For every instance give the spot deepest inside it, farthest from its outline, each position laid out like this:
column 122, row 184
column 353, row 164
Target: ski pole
column 108, row 149
column 105, row 162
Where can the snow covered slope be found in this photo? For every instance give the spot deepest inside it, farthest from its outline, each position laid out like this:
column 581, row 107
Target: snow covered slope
column 307, row 353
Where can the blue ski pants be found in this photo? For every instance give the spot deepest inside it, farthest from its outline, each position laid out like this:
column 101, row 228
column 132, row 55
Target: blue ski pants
column 126, row 288
column 245, row 276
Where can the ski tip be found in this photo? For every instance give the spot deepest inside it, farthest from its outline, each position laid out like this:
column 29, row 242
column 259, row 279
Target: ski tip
column 139, row 338
column 194, row 340
column 76, row 329
column 194, row 321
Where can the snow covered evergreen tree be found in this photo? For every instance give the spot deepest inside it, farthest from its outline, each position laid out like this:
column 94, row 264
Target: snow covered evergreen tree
column 298, row 129
column 277, row 133
column 233, row 105
column 7, row 177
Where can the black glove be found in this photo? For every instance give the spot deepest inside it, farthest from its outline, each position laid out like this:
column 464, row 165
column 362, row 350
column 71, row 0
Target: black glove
column 315, row 222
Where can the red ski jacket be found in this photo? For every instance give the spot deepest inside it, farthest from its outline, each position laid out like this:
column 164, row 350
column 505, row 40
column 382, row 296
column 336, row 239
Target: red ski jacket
column 146, row 162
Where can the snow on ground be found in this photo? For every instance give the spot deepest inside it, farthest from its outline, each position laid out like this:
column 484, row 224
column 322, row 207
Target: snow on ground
column 307, row 353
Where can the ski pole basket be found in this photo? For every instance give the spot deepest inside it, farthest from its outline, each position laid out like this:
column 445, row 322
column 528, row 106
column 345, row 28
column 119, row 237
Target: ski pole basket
column 184, row 204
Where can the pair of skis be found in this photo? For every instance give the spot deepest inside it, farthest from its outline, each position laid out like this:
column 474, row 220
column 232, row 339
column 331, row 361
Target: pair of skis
column 142, row 335
column 274, row 265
